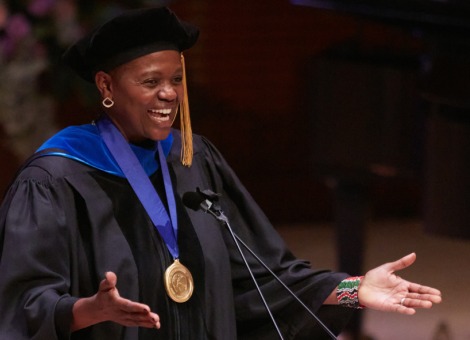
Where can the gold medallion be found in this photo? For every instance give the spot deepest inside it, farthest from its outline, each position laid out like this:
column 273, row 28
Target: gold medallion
column 178, row 282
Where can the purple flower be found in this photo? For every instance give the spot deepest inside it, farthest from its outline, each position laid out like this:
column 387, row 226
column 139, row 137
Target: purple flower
column 17, row 29
column 41, row 8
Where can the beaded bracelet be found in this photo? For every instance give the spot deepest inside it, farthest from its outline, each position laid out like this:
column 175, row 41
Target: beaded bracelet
column 347, row 292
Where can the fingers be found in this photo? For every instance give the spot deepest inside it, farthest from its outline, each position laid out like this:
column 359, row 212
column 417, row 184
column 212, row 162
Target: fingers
column 416, row 303
column 407, row 305
column 418, row 298
column 130, row 313
column 129, row 306
column 109, row 282
column 405, row 310
column 156, row 321
column 137, row 314
column 148, row 320
column 402, row 263
column 425, row 293
column 425, row 297
column 111, row 277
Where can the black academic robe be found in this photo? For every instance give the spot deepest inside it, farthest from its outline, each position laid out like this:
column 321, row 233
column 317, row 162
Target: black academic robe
column 63, row 224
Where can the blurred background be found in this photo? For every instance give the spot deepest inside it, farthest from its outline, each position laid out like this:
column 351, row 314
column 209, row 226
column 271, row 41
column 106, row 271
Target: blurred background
column 348, row 121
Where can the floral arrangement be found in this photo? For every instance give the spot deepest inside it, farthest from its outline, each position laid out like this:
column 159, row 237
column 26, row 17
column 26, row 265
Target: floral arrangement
column 33, row 35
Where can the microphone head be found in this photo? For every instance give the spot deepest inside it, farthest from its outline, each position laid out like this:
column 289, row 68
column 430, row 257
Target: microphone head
column 193, row 200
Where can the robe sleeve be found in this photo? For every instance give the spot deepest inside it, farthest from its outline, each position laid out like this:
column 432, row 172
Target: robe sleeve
column 35, row 260
column 312, row 285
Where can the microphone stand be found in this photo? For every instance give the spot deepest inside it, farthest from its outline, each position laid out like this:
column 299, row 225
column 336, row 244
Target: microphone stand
column 220, row 216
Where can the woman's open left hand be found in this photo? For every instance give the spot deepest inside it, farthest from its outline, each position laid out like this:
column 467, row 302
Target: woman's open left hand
column 383, row 290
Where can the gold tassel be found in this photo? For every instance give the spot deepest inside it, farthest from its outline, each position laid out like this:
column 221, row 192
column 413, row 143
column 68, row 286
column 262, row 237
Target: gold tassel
column 185, row 122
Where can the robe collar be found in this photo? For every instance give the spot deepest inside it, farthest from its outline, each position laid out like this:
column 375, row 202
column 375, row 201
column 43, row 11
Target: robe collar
column 84, row 144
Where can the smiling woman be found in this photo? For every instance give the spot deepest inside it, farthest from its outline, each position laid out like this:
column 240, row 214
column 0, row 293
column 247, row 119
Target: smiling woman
column 96, row 243
column 146, row 93
column 142, row 63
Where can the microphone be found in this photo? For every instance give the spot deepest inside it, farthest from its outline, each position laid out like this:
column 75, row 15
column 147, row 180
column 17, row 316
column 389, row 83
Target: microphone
column 196, row 201
column 206, row 201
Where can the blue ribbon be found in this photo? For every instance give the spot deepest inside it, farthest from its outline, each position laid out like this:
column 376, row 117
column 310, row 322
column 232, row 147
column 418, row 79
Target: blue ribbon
column 166, row 225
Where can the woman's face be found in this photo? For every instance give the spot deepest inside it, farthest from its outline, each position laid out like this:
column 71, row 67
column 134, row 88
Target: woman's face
column 146, row 93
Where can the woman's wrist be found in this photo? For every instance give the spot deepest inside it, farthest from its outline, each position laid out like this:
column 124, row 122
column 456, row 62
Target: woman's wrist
column 347, row 292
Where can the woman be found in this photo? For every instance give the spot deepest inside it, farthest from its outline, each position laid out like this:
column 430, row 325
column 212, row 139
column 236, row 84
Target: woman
column 97, row 244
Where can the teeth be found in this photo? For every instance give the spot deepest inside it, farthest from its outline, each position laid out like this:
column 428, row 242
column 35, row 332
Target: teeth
column 162, row 119
column 162, row 111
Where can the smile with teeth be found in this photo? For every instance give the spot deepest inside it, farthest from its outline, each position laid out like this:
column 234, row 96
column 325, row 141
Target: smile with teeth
column 161, row 114
column 161, row 111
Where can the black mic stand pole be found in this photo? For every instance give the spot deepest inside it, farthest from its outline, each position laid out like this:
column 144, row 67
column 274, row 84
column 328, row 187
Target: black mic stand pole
column 219, row 215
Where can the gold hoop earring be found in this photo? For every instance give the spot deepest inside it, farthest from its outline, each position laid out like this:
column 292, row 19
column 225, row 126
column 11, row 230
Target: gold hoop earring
column 107, row 102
